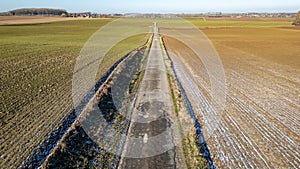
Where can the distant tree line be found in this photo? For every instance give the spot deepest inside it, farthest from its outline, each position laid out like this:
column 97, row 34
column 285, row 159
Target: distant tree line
column 38, row 11
column 54, row 12
column 297, row 21
column 5, row 14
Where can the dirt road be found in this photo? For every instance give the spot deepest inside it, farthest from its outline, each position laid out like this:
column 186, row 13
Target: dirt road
column 153, row 136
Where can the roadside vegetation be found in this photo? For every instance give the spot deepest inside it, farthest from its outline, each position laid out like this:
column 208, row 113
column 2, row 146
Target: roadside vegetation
column 297, row 20
column 192, row 153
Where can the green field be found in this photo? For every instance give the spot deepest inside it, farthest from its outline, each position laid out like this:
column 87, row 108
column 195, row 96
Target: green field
column 37, row 62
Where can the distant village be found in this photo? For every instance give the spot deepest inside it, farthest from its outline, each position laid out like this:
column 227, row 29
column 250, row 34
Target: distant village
column 91, row 15
column 240, row 15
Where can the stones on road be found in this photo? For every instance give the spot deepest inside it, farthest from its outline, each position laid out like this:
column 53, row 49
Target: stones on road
column 153, row 134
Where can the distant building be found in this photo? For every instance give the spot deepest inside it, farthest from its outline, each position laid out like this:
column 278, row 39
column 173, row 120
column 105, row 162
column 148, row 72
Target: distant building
column 215, row 14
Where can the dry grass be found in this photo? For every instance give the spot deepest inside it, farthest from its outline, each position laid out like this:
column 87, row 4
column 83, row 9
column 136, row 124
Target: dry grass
column 192, row 154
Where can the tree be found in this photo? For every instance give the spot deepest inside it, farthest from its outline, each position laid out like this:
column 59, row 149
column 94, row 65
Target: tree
column 297, row 21
column 38, row 11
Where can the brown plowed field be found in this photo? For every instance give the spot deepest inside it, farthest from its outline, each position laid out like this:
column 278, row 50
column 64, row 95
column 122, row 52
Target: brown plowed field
column 22, row 20
column 259, row 127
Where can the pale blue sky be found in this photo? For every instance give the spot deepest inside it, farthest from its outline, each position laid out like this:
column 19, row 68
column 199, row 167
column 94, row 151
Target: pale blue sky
column 158, row 6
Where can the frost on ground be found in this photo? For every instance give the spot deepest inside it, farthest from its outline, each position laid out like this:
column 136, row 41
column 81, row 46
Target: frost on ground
column 259, row 127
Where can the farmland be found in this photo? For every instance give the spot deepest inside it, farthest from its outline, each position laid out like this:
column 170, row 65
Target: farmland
column 259, row 126
column 77, row 148
column 37, row 62
column 23, row 20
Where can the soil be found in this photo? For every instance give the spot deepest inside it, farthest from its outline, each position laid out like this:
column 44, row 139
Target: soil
column 259, row 126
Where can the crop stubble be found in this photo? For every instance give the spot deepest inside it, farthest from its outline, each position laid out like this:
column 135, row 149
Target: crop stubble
column 260, row 124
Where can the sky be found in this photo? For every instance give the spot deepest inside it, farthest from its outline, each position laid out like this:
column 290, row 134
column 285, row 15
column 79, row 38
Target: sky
column 157, row 6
